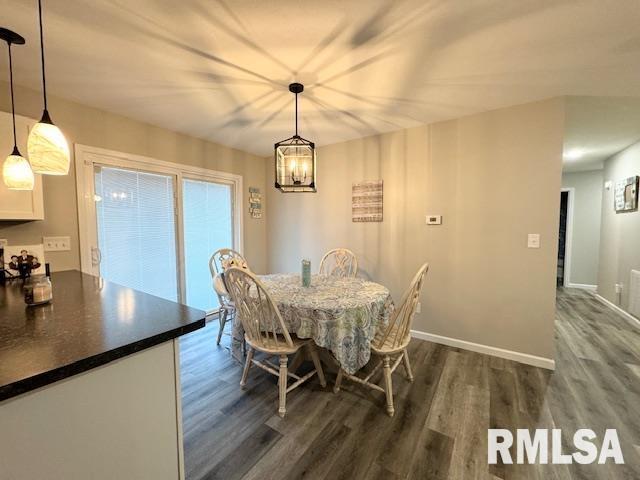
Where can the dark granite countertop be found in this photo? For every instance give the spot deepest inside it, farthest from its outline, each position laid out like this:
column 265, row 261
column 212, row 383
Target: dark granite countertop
column 90, row 322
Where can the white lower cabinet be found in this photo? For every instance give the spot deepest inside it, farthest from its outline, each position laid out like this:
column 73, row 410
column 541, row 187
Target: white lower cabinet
column 120, row 421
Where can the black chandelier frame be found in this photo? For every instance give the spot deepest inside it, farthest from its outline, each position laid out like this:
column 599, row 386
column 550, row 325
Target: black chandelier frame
column 294, row 141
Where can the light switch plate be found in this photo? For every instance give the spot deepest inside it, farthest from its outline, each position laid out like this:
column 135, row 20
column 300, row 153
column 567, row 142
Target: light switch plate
column 434, row 220
column 533, row 240
column 56, row 244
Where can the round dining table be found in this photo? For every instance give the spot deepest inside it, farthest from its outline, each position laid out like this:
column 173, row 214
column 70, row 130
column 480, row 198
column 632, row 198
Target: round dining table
column 339, row 314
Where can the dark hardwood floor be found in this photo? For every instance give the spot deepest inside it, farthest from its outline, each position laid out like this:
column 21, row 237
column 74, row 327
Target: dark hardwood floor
column 440, row 427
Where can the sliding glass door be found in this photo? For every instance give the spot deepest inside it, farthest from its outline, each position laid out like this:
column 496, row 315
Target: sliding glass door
column 136, row 223
column 207, row 226
column 153, row 226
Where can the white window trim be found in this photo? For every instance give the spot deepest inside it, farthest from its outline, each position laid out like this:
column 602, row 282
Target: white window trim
column 87, row 156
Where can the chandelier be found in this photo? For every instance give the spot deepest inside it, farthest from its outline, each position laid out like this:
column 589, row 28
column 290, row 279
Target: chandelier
column 295, row 158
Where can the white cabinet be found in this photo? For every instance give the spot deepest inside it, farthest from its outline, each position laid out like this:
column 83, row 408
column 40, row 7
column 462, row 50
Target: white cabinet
column 18, row 204
column 122, row 420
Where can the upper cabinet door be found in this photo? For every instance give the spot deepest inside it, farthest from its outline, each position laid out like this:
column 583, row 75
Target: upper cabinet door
column 18, row 204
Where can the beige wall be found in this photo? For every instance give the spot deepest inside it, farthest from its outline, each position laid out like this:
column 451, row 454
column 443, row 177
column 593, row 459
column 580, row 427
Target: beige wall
column 585, row 244
column 619, row 251
column 494, row 177
column 97, row 128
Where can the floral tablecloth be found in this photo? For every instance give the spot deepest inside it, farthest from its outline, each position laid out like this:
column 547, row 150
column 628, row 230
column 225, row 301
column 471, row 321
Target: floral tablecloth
column 340, row 314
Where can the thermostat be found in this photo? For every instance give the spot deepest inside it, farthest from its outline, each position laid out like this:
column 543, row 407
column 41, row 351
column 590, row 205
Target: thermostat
column 434, row 219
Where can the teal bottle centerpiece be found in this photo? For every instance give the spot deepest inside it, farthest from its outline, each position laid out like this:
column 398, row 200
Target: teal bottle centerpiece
column 306, row 273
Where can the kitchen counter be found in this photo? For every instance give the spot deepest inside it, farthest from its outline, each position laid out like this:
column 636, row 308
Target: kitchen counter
column 89, row 323
column 90, row 383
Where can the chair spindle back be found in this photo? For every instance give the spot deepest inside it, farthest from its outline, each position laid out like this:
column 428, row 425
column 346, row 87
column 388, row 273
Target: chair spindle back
column 399, row 327
column 259, row 315
column 224, row 258
column 339, row 262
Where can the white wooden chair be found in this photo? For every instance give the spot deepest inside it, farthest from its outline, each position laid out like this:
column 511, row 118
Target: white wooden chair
column 218, row 263
column 266, row 332
column 339, row 262
column 392, row 340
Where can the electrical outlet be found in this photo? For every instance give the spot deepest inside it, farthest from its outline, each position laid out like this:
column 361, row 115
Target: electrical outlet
column 56, row 244
column 619, row 287
column 418, row 308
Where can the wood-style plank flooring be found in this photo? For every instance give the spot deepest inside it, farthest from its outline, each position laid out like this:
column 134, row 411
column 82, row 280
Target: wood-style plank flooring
column 440, row 427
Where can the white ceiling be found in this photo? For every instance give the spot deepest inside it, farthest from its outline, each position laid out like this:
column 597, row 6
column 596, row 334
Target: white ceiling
column 219, row 69
column 597, row 128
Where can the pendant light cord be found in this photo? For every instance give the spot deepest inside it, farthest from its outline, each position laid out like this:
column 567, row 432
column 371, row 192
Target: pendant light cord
column 13, row 108
column 44, row 80
column 296, row 114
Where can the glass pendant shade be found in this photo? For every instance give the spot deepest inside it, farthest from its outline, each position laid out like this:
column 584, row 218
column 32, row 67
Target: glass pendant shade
column 17, row 173
column 48, row 150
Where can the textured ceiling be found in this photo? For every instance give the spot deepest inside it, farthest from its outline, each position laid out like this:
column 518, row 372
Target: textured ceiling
column 219, row 69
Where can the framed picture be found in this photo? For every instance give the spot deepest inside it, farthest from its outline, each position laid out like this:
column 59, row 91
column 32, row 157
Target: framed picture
column 24, row 260
column 626, row 194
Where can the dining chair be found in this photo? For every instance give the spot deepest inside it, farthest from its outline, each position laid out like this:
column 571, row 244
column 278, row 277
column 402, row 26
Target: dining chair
column 339, row 262
column 391, row 341
column 218, row 263
column 266, row 332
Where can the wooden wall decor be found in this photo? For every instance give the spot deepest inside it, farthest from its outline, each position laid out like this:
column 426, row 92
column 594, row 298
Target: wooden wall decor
column 366, row 205
column 255, row 202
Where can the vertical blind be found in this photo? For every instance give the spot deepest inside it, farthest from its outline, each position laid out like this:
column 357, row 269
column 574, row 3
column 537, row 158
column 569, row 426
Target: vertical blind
column 208, row 226
column 136, row 230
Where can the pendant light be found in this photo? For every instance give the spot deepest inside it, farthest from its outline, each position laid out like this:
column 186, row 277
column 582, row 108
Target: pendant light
column 295, row 158
column 47, row 148
column 16, row 171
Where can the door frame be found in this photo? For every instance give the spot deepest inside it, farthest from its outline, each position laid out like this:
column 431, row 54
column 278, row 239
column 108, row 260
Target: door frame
column 568, row 241
column 85, row 159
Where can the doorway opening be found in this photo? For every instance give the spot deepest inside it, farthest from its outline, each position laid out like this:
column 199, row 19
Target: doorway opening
column 562, row 238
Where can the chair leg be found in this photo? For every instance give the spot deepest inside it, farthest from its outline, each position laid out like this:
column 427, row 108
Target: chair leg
column 316, row 363
column 407, row 365
column 336, row 387
column 222, row 318
column 247, row 366
column 296, row 361
column 244, row 342
column 282, row 384
column 388, row 386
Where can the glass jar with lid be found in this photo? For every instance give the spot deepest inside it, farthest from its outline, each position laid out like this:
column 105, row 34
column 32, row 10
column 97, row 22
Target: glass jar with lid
column 37, row 290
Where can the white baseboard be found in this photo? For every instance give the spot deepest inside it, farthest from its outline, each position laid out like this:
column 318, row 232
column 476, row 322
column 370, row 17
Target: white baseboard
column 616, row 308
column 584, row 286
column 526, row 358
